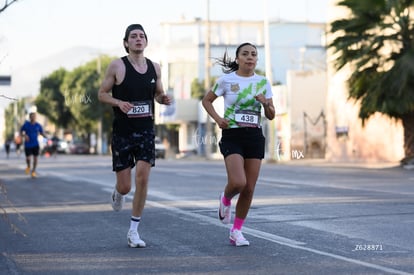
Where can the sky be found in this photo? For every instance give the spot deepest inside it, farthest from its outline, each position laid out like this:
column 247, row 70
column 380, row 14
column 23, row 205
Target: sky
column 34, row 29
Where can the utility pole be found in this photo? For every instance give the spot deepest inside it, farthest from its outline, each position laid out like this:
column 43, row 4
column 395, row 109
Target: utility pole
column 99, row 138
column 269, row 76
column 209, row 131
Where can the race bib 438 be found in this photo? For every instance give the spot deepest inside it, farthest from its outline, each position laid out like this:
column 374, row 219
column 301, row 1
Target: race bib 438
column 247, row 118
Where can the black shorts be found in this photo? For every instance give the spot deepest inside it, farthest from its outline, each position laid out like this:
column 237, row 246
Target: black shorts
column 247, row 142
column 31, row 151
column 127, row 150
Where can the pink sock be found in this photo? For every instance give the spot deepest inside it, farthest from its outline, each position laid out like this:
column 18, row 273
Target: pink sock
column 238, row 223
column 226, row 201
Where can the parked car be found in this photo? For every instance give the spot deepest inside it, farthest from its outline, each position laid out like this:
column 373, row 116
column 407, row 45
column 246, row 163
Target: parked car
column 54, row 145
column 159, row 148
column 62, row 146
column 78, row 147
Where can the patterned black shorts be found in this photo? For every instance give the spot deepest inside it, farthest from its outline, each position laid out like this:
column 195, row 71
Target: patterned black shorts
column 127, row 150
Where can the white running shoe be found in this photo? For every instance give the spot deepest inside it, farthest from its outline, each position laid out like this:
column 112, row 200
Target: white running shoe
column 224, row 212
column 117, row 201
column 237, row 238
column 134, row 240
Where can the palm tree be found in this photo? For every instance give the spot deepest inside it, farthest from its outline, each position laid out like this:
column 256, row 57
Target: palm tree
column 377, row 42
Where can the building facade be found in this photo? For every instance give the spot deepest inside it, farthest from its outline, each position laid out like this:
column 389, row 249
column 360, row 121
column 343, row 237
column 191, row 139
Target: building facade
column 381, row 139
column 292, row 46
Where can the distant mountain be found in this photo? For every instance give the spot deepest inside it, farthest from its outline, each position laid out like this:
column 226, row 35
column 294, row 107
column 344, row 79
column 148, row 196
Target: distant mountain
column 26, row 80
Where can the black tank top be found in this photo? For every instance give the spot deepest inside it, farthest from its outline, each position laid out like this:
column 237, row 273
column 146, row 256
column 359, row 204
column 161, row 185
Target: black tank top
column 139, row 89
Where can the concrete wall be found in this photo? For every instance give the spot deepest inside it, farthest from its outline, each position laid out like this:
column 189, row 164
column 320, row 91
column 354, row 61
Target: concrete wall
column 380, row 140
column 307, row 105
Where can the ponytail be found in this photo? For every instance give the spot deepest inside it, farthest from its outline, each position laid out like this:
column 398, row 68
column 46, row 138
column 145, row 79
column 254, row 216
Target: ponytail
column 228, row 65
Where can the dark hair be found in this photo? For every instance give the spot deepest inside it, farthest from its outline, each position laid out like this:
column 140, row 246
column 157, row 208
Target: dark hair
column 131, row 28
column 227, row 63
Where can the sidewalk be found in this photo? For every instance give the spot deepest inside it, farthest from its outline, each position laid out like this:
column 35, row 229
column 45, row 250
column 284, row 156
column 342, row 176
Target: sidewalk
column 327, row 163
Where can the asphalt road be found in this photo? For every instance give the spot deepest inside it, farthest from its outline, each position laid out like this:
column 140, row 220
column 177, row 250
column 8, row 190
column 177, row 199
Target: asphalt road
column 306, row 218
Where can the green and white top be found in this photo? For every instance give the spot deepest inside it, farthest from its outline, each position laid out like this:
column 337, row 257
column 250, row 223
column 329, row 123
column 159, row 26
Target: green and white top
column 241, row 108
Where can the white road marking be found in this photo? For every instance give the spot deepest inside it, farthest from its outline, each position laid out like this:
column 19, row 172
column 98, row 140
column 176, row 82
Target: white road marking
column 326, row 184
column 253, row 232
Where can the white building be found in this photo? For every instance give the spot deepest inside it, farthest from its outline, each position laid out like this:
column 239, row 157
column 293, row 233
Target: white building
column 294, row 48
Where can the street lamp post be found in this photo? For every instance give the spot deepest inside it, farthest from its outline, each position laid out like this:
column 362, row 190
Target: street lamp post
column 269, row 76
column 207, row 146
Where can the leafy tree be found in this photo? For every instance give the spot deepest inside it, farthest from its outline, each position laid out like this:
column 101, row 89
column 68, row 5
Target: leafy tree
column 51, row 100
column 197, row 89
column 14, row 116
column 377, row 42
column 69, row 98
column 81, row 87
column 9, row 122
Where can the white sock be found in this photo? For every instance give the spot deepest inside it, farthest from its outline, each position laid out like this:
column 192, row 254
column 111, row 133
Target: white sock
column 116, row 192
column 134, row 223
